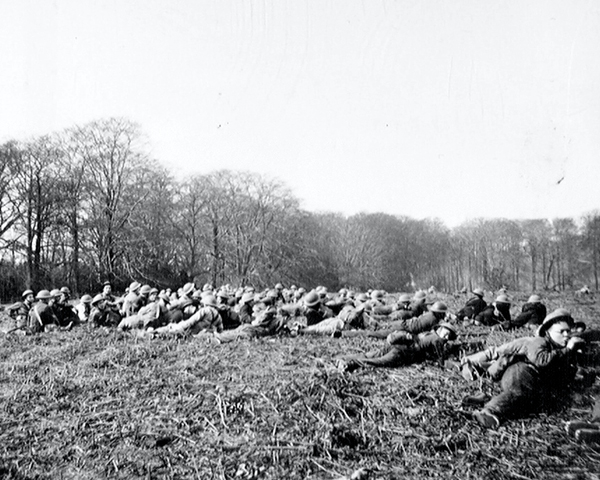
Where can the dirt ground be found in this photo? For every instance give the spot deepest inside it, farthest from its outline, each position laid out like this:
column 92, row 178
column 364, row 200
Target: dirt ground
column 94, row 403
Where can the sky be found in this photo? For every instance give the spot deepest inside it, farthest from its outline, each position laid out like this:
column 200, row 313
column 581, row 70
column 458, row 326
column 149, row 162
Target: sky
column 442, row 109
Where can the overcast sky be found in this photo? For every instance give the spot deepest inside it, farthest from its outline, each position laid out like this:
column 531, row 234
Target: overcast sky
column 449, row 109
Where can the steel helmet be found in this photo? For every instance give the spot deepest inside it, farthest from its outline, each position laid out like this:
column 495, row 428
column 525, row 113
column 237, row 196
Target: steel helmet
column 86, row 299
column 44, row 295
column 439, row 307
column 312, row 299
column 558, row 315
column 97, row 299
column 209, row 301
column 502, row 299
column 247, row 297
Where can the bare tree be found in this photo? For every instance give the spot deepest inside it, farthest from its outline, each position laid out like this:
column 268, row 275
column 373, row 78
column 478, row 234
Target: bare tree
column 112, row 152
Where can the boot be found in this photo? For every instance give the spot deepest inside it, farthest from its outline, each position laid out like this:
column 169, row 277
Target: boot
column 588, row 435
column 575, row 425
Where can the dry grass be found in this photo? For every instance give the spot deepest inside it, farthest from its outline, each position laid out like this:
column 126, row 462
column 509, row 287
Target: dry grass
column 98, row 404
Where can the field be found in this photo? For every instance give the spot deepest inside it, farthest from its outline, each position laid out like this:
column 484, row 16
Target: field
column 89, row 404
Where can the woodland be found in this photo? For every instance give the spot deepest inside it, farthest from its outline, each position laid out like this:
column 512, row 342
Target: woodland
column 89, row 204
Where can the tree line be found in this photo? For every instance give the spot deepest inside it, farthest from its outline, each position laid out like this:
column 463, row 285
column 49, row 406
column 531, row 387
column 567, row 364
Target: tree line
column 89, row 204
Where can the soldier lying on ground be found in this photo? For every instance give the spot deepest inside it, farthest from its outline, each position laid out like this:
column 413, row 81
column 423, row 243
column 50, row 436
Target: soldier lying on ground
column 496, row 313
column 352, row 317
column 403, row 348
column 398, row 311
column 473, row 307
column 206, row 319
column 267, row 323
column 532, row 314
column 153, row 315
column 534, row 372
column 437, row 312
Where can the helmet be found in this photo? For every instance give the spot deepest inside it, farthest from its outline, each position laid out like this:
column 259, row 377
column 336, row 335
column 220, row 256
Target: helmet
column 560, row 314
column 44, row 295
column 209, row 301
column 188, row 288
column 502, row 299
column 247, row 297
column 145, row 289
column 86, row 299
column 97, row 299
column 479, row 292
column 65, row 290
column 404, row 298
column 27, row 293
column 55, row 293
column 439, row 307
column 362, row 297
column 312, row 299
column 164, row 297
column 450, row 328
column 534, row 299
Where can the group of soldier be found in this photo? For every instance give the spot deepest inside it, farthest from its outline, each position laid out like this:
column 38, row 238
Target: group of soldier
column 412, row 329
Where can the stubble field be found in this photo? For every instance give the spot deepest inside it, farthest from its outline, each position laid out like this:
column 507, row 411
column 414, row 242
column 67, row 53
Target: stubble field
column 93, row 403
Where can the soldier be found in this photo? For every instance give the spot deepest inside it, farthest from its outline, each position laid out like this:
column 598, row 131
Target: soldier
column 400, row 311
column 533, row 371
column 84, row 308
column 179, row 309
column 229, row 316
column 351, row 317
column 144, row 296
column 497, row 313
column 403, row 348
column 245, row 308
column 103, row 313
column 337, row 304
column 267, row 323
column 314, row 310
column 20, row 310
column 110, row 301
column 153, row 315
column 64, row 311
column 473, row 307
column 532, row 313
column 205, row 320
column 437, row 312
column 131, row 303
column 41, row 316
column 418, row 304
